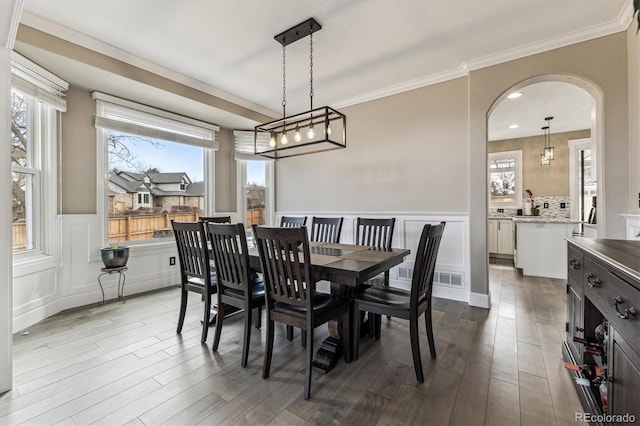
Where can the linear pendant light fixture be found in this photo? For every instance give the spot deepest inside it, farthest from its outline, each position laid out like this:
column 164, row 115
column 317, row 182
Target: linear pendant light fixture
column 547, row 152
column 317, row 130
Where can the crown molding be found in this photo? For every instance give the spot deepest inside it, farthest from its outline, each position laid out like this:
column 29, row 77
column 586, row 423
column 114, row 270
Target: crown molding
column 67, row 34
column 12, row 19
column 402, row 87
column 621, row 23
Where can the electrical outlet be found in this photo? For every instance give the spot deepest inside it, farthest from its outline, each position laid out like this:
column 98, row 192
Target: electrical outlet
column 500, row 210
column 546, row 205
column 563, row 205
column 172, row 260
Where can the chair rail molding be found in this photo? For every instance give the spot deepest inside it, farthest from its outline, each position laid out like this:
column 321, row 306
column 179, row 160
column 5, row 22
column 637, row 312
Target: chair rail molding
column 452, row 278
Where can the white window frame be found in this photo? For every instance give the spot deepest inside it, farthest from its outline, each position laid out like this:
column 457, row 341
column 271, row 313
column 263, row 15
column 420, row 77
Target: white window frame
column 45, row 92
column 118, row 114
column 517, row 155
column 241, row 179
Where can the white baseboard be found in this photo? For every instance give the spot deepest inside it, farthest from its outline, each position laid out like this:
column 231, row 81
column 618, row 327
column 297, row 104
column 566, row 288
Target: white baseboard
column 450, row 293
column 480, row 300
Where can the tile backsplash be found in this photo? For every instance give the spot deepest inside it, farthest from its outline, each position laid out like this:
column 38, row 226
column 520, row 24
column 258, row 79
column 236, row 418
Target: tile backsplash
column 553, row 211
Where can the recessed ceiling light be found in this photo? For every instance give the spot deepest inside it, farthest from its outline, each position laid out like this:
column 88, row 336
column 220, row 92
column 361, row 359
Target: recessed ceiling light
column 514, row 126
column 514, row 95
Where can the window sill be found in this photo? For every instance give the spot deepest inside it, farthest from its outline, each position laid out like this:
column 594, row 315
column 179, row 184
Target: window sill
column 143, row 248
column 28, row 265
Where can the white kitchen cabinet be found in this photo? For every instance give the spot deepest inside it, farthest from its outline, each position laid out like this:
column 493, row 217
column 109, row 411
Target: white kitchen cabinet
column 541, row 247
column 501, row 236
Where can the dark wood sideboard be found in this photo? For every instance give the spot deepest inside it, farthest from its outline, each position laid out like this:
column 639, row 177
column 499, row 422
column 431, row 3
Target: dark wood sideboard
column 603, row 327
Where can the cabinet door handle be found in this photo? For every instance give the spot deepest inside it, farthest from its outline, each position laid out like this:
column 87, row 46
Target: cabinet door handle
column 579, row 329
column 627, row 312
column 592, row 280
column 573, row 263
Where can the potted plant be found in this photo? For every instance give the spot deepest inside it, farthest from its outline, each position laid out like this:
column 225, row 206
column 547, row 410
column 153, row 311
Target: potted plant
column 535, row 208
column 115, row 256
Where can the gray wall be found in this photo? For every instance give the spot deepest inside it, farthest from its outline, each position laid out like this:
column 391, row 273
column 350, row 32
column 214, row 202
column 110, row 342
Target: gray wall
column 405, row 153
column 78, row 154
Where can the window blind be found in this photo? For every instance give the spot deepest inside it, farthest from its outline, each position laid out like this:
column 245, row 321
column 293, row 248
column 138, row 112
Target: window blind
column 32, row 80
column 244, row 142
column 126, row 116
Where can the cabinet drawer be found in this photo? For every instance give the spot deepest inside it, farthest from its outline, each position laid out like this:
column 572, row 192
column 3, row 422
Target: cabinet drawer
column 614, row 297
column 575, row 266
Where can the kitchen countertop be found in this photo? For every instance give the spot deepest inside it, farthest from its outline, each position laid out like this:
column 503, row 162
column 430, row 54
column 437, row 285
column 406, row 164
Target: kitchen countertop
column 542, row 219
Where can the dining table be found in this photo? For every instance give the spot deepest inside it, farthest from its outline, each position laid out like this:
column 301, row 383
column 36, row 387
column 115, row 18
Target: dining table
column 347, row 267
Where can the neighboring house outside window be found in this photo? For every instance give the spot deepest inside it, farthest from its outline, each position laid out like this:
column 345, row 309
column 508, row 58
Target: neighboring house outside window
column 155, row 173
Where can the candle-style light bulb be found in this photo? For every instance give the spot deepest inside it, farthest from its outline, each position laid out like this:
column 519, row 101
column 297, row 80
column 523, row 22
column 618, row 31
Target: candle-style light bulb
column 272, row 140
column 297, row 136
column 311, row 134
column 284, row 140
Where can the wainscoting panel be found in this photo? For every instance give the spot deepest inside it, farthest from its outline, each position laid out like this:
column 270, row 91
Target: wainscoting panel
column 452, row 277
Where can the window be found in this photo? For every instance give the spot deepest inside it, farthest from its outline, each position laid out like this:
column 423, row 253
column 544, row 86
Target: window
column 157, row 165
column 505, row 179
column 35, row 97
column 255, row 183
column 143, row 198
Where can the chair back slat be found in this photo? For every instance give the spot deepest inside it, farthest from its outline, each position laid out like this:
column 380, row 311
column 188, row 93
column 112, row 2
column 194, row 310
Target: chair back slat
column 230, row 254
column 326, row 229
column 215, row 219
column 376, row 233
column 425, row 263
column 293, row 221
column 285, row 268
column 192, row 249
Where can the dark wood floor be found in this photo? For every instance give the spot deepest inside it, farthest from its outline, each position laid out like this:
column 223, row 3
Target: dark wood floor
column 124, row 364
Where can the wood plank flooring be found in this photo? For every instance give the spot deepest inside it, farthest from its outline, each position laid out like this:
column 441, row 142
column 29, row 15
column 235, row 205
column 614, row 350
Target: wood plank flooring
column 123, row 364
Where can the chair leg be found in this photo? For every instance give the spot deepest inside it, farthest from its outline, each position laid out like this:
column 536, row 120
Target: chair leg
column 429, row 324
column 377, row 326
column 258, row 317
column 268, row 351
column 386, row 283
column 415, row 349
column 219, row 321
column 303, row 338
column 247, row 337
column 355, row 324
column 289, row 332
column 307, row 368
column 184, row 295
column 205, row 322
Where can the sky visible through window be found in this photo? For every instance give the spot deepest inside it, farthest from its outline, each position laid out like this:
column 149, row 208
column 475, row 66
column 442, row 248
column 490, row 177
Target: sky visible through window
column 170, row 157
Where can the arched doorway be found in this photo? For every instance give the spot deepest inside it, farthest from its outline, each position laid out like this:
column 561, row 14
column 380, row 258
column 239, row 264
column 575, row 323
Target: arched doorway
column 514, row 127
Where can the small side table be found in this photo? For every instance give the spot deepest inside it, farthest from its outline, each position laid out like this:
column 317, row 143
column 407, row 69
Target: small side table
column 121, row 279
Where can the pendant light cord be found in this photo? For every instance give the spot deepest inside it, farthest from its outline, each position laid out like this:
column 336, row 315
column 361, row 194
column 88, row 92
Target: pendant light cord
column 284, row 80
column 311, row 65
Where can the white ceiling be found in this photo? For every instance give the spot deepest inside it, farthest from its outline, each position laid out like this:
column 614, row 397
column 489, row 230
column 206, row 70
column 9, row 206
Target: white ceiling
column 366, row 48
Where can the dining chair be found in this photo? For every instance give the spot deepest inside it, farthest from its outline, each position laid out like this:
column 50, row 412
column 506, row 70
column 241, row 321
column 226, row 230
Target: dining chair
column 326, row 229
column 293, row 221
column 196, row 274
column 377, row 233
column 406, row 304
column 290, row 298
column 215, row 219
column 237, row 286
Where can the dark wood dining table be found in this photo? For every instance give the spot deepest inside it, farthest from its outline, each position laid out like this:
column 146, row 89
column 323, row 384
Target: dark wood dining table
column 347, row 267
